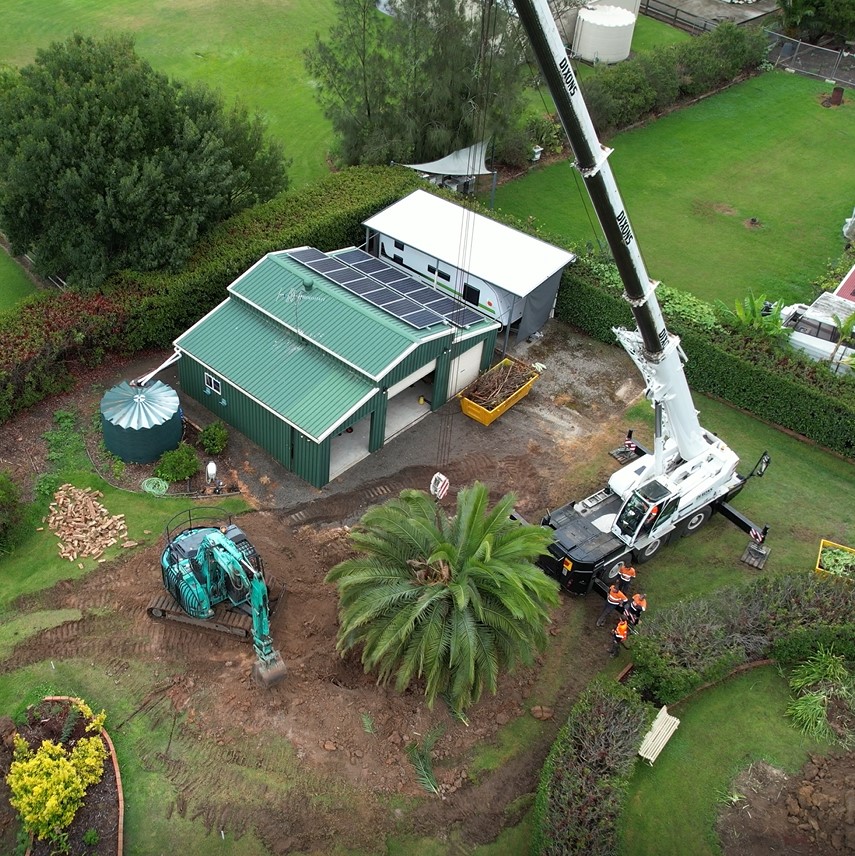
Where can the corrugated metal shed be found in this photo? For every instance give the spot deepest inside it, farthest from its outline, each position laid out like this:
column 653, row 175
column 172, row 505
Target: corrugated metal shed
column 498, row 254
column 303, row 384
column 329, row 317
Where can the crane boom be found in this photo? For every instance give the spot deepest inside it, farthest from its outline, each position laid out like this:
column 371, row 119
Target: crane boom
column 691, row 473
column 656, row 352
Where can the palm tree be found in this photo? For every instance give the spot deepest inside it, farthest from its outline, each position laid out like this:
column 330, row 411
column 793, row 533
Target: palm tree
column 453, row 601
column 845, row 328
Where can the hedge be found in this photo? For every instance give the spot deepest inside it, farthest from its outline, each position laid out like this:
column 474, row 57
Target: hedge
column 747, row 370
column 698, row 641
column 134, row 311
column 584, row 780
column 628, row 92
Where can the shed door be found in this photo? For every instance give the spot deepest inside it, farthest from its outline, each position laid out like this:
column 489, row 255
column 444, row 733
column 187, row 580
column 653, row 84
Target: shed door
column 465, row 369
column 418, row 374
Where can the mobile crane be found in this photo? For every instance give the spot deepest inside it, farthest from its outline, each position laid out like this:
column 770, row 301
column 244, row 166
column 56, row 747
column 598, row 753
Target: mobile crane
column 690, row 473
column 214, row 578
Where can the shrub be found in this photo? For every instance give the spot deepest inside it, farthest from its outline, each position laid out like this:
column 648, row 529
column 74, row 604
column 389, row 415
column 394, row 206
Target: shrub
column 702, row 640
column 48, row 784
column 797, row 646
column 214, row 437
column 178, row 465
column 624, row 94
column 11, row 509
column 583, row 782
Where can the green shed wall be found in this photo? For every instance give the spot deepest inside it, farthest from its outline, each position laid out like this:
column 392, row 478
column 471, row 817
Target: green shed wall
column 241, row 412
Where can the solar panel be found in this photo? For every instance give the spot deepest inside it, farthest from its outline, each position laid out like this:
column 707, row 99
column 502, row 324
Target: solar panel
column 362, row 286
column 388, row 275
column 325, row 265
column 353, row 257
column 307, row 255
column 371, row 265
column 342, row 277
column 382, row 297
column 443, row 305
column 388, row 288
column 407, row 286
column 421, row 319
column 402, row 307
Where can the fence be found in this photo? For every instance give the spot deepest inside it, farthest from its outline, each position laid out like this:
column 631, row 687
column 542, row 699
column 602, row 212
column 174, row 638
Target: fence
column 693, row 24
column 812, row 60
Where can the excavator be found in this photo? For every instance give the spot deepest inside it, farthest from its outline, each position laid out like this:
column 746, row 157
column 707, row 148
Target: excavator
column 672, row 490
column 214, row 578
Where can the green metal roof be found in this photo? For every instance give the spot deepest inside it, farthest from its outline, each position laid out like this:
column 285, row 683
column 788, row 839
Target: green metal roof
column 333, row 319
column 301, row 383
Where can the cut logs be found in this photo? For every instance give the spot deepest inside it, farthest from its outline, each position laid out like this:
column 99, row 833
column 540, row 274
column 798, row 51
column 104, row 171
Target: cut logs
column 84, row 527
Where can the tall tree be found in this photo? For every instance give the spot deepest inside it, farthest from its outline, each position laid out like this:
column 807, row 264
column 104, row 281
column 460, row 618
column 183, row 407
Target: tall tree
column 814, row 18
column 106, row 164
column 435, row 76
column 453, row 601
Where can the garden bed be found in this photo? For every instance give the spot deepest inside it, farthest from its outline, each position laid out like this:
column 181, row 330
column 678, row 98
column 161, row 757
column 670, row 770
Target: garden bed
column 97, row 825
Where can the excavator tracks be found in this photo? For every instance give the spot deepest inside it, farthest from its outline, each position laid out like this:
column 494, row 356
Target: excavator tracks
column 163, row 607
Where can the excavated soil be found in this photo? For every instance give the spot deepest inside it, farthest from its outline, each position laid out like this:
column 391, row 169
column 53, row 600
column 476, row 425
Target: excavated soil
column 348, row 734
column 807, row 814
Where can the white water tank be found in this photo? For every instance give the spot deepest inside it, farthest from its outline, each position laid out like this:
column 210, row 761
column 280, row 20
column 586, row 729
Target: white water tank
column 603, row 34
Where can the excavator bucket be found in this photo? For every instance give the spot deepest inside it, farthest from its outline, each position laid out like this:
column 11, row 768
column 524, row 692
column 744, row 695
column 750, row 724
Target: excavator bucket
column 267, row 675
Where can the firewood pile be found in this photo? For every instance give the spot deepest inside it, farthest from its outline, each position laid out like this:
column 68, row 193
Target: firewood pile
column 499, row 383
column 83, row 525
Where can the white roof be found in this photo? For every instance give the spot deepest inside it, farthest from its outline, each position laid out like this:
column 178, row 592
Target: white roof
column 504, row 257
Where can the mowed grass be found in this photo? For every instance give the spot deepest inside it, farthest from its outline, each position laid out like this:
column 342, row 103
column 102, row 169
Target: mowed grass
column 14, row 284
column 692, row 181
column 673, row 805
column 251, row 50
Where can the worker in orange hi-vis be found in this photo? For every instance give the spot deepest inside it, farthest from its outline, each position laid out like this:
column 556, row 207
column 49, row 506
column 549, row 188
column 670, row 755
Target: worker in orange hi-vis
column 635, row 608
column 615, row 599
column 627, row 577
column 619, row 635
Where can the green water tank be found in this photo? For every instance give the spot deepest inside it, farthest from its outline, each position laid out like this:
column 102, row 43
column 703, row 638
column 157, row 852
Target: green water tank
column 140, row 423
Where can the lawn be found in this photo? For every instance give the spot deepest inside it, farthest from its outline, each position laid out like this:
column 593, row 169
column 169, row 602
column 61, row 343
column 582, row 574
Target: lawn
column 14, row 284
column 672, row 806
column 251, row 50
column 692, row 181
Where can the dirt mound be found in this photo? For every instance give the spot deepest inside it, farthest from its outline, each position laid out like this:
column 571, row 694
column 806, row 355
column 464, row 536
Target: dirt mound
column 811, row 812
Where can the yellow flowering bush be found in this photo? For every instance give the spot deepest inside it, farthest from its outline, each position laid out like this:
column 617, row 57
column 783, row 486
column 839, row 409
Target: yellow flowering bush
column 48, row 784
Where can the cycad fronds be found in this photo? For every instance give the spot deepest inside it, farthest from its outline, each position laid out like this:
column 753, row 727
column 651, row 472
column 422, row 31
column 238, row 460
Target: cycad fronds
column 451, row 601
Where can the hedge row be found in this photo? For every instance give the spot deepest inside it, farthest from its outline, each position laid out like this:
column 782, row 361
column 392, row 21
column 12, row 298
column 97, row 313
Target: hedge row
column 134, row 311
column 584, row 779
column 698, row 641
column 746, row 369
column 652, row 82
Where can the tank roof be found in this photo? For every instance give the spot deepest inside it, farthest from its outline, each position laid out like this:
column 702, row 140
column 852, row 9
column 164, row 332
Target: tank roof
column 139, row 407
